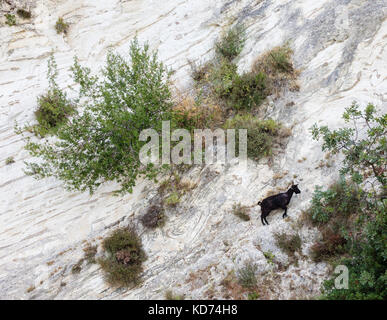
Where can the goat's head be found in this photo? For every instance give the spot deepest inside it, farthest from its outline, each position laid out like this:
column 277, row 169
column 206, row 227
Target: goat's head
column 295, row 188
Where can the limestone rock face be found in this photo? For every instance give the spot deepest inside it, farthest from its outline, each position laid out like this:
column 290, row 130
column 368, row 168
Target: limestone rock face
column 339, row 47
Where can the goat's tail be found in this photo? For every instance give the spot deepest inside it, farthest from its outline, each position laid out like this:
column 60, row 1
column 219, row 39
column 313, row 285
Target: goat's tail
column 259, row 203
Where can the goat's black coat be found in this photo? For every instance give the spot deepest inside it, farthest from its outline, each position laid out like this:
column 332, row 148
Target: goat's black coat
column 278, row 201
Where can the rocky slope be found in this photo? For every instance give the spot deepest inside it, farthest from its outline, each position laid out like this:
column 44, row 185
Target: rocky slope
column 340, row 48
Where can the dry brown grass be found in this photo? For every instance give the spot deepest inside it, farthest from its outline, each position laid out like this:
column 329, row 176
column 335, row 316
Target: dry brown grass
column 279, row 70
column 189, row 115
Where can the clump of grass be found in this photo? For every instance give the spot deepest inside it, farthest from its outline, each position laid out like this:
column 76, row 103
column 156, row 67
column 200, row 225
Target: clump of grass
column 89, row 253
column 269, row 256
column 77, row 268
column 154, row 217
column 61, row 26
column 288, row 243
column 190, row 115
column 10, row 19
column 9, row 160
column 246, row 275
column 253, row 295
column 22, row 13
column 240, row 211
column 173, row 199
column 123, row 265
column 231, row 43
column 261, row 134
column 278, row 68
column 169, row 295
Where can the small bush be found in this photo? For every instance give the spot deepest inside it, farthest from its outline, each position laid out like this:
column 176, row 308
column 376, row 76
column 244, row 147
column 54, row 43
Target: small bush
column 154, row 217
column 53, row 110
column 231, row 43
column 61, row 26
column 246, row 275
column 90, row 252
column 278, row 68
column 123, row 265
column 22, row 13
column 288, row 243
column 173, row 199
column 339, row 201
column 240, row 211
column 9, row 160
column 261, row 134
column 331, row 245
column 189, row 115
column 169, row 295
column 77, row 268
column 11, row 19
column 253, row 296
column 247, row 91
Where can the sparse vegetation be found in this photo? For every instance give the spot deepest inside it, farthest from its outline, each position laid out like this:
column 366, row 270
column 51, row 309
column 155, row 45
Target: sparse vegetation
column 240, row 211
column 77, row 268
column 246, row 275
column 288, row 243
column 89, row 253
column 169, row 295
column 61, row 26
column 154, row 217
column 261, row 134
column 231, row 43
column 10, row 19
column 9, row 160
column 123, row 264
column 22, row 13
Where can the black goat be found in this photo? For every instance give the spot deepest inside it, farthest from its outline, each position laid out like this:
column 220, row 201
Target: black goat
column 278, row 201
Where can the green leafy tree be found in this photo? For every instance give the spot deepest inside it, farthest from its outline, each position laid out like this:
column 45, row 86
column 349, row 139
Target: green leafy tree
column 365, row 161
column 365, row 152
column 101, row 143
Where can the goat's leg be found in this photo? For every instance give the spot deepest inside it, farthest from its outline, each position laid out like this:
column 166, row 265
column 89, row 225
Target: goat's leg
column 266, row 220
column 263, row 222
column 285, row 214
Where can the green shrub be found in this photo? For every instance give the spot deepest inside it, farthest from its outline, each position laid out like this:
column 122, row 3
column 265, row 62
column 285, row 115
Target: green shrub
column 288, row 243
column 231, row 43
column 240, row 211
column 53, row 110
column 169, row 295
column 102, row 143
column 253, row 295
column 22, row 13
column 261, row 134
column 61, row 26
column 173, row 199
column 246, row 275
column 123, row 266
column 247, row 91
column 366, row 266
column 340, row 200
column 9, row 160
column 10, row 19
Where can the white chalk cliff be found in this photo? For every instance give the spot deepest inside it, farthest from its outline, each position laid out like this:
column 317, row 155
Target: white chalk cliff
column 339, row 47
